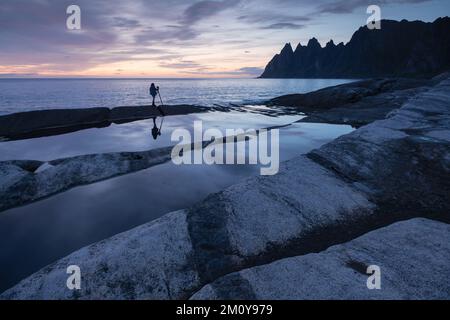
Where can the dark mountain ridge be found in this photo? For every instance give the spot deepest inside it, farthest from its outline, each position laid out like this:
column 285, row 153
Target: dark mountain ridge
column 401, row 48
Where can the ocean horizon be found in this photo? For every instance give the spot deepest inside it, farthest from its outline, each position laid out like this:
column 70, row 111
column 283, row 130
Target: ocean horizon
column 19, row 95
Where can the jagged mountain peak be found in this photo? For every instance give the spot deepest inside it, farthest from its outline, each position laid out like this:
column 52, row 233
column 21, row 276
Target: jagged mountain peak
column 287, row 48
column 314, row 43
column 299, row 47
column 400, row 48
column 330, row 44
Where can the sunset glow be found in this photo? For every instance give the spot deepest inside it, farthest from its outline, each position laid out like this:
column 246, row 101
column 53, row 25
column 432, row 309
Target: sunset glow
column 174, row 38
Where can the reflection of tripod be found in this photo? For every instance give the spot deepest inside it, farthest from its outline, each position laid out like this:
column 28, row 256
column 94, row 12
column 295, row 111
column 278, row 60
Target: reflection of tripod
column 162, row 104
column 156, row 132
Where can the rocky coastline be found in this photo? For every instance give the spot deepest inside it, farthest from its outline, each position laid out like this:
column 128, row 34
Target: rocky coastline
column 377, row 196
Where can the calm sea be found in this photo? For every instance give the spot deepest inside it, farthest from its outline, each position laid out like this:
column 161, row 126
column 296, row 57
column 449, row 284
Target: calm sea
column 18, row 95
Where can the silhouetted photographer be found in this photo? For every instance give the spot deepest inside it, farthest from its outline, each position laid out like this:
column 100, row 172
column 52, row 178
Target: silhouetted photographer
column 154, row 91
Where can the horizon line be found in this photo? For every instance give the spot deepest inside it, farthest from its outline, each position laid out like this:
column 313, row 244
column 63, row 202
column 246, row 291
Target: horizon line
column 124, row 78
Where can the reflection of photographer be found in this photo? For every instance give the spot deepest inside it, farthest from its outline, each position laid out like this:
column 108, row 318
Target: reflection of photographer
column 156, row 132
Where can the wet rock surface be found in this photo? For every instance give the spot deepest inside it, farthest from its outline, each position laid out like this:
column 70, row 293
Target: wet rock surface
column 391, row 170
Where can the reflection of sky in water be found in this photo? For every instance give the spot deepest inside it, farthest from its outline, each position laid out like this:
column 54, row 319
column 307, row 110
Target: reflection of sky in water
column 42, row 232
column 134, row 136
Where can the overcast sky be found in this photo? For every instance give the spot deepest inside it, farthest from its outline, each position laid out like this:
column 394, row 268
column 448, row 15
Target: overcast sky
column 177, row 38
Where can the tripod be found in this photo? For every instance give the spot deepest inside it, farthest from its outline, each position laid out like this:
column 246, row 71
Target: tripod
column 162, row 104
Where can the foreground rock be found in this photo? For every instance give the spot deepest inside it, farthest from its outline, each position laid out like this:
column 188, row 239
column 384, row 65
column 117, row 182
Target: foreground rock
column 149, row 262
column 356, row 103
column 213, row 241
column 389, row 171
column 24, row 181
column 413, row 258
column 40, row 123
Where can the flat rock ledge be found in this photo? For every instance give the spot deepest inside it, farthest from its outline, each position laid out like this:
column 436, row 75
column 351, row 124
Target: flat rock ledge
column 412, row 257
column 389, row 171
column 357, row 103
column 40, row 123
